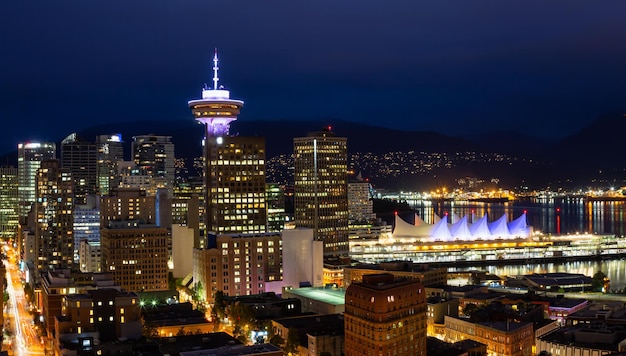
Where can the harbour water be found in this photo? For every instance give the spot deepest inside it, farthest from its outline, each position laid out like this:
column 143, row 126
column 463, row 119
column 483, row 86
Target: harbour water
column 555, row 216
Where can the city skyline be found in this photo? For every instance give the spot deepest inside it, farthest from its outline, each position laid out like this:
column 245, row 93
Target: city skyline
column 544, row 69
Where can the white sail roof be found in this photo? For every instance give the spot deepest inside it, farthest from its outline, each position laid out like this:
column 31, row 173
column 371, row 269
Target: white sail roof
column 440, row 230
column 499, row 228
column 480, row 230
column 460, row 229
column 418, row 221
column 519, row 227
column 405, row 229
column 455, row 218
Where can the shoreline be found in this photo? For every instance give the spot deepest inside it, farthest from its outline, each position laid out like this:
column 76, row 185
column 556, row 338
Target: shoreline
column 523, row 261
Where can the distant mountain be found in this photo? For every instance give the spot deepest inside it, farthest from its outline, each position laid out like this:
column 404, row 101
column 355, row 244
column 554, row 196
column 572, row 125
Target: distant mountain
column 592, row 155
column 596, row 152
column 511, row 142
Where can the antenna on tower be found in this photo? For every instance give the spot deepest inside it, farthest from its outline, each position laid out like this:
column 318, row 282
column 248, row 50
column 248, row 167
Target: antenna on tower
column 215, row 68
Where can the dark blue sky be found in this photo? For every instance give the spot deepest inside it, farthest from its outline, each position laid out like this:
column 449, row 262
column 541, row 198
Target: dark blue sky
column 457, row 67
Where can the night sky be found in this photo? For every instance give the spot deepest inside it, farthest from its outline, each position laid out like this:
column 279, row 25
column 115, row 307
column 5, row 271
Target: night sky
column 456, row 67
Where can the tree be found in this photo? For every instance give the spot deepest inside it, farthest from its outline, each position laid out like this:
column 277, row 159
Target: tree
column 292, row 342
column 597, row 281
column 150, row 331
column 242, row 316
column 276, row 340
column 181, row 331
column 219, row 306
column 470, row 309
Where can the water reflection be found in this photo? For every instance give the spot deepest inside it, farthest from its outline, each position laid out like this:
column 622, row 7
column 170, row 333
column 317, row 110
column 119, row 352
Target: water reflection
column 615, row 270
column 554, row 216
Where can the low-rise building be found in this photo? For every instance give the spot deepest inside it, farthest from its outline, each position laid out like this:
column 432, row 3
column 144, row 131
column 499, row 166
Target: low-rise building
column 173, row 320
column 317, row 333
column 426, row 275
column 505, row 338
column 584, row 339
column 437, row 309
column 102, row 315
column 385, row 314
column 318, row 300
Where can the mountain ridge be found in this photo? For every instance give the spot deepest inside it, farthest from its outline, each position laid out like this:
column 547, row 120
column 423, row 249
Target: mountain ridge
column 560, row 161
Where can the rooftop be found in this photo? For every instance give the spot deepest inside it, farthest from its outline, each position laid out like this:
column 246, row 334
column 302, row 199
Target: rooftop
column 235, row 350
column 328, row 296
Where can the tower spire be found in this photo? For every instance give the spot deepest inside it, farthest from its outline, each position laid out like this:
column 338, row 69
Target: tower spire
column 215, row 109
column 215, row 68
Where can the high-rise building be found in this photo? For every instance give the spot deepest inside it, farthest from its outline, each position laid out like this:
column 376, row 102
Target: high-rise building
column 234, row 166
column 275, row 201
column 127, row 204
column 188, row 208
column 385, row 316
column 9, row 200
column 54, row 214
column 129, row 175
column 136, row 255
column 321, row 188
column 86, row 222
column 126, row 214
column 155, row 155
column 89, row 256
column 29, row 157
column 110, row 152
column 80, row 157
column 360, row 206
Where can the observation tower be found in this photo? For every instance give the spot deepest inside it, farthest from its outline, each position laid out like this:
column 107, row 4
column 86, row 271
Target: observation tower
column 216, row 110
column 234, row 166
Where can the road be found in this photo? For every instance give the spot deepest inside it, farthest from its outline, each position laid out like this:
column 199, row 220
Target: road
column 26, row 340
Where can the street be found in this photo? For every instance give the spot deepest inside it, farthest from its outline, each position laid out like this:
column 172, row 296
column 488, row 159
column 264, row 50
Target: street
column 25, row 339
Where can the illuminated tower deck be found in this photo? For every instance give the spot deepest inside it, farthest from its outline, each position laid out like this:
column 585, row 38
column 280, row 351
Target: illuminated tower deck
column 216, row 110
column 234, row 166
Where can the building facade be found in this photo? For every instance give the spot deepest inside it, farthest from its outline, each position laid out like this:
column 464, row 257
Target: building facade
column 29, row 157
column 86, row 222
column 276, row 214
column 385, row 316
column 110, row 152
column 89, row 256
column 235, row 179
column 108, row 313
column 80, row 157
column 54, row 214
column 321, row 189
column 238, row 264
column 508, row 338
column 127, row 204
column 136, row 255
column 360, row 206
column 155, row 156
column 9, row 202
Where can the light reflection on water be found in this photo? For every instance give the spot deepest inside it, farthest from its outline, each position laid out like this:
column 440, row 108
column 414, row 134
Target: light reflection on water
column 614, row 269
